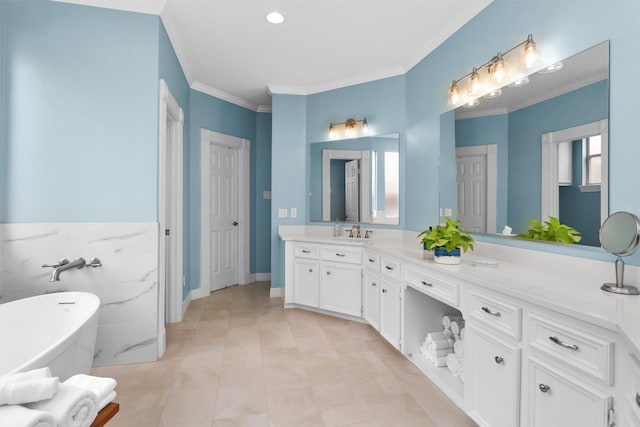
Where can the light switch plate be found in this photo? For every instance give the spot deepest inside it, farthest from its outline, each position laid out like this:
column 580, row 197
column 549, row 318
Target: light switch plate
column 266, row 195
column 448, row 211
column 282, row 213
column 294, row 212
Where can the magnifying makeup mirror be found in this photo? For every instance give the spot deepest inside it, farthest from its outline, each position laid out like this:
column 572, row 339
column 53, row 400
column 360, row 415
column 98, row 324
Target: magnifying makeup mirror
column 620, row 235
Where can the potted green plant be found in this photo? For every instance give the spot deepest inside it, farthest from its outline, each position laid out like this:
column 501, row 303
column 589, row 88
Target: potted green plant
column 447, row 241
column 551, row 231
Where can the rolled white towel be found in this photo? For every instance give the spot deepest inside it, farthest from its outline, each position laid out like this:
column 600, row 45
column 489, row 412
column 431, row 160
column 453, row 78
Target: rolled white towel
column 34, row 374
column 461, row 372
column 434, row 336
column 453, row 364
column 447, row 319
column 32, row 390
column 70, row 407
column 439, row 353
column 100, row 386
column 458, row 349
column 19, row 416
column 439, row 362
column 448, row 334
column 107, row 399
column 456, row 326
column 440, row 344
column 462, row 333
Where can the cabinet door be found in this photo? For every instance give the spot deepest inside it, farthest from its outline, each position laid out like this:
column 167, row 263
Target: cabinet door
column 390, row 312
column 306, row 282
column 495, row 380
column 371, row 306
column 342, row 288
column 557, row 399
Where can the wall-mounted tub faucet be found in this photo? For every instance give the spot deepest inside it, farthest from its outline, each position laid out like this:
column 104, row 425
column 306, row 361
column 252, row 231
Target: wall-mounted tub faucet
column 64, row 265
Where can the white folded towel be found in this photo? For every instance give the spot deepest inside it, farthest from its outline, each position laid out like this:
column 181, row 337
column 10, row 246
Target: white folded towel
column 439, row 362
column 34, row 374
column 448, row 334
column 71, row 406
column 427, row 349
column 447, row 319
column 19, row 416
column 462, row 333
column 15, row 392
column 456, row 326
column 108, row 399
column 100, row 386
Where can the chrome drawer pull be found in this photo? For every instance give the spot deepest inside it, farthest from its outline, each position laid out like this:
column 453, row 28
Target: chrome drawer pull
column 637, row 399
column 426, row 283
column 372, row 260
column 499, row 360
column 311, row 270
column 544, row 388
column 373, row 284
column 384, row 291
column 556, row 340
column 328, row 273
column 339, row 254
column 493, row 313
column 306, row 251
column 388, row 267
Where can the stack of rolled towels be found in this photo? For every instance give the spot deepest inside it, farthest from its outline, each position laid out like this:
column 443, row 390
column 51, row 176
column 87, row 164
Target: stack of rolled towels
column 36, row 399
column 446, row 347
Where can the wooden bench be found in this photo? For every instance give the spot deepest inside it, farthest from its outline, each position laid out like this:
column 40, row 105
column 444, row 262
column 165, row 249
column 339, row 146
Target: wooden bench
column 106, row 414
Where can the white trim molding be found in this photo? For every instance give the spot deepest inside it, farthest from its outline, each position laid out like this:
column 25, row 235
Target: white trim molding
column 363, row 156
column 276, row 293
column 207, row 138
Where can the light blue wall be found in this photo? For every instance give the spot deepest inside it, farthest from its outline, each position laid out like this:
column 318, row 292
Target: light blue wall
column 220, row 116
column 261, row 212
column 80, row 114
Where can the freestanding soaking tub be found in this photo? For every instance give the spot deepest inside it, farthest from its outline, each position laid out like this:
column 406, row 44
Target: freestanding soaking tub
column 56, row 330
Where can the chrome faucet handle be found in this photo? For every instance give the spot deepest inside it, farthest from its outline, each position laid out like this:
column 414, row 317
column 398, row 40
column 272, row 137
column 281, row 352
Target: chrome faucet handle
column 95, row 262
column 368, row 233
column 62, row 262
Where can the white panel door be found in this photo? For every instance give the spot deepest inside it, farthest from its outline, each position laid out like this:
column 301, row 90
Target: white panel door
column 371, row 299
column 471, row 178
column 341, row 288
column 223, row 216
column 352, row 190
column 306, row 282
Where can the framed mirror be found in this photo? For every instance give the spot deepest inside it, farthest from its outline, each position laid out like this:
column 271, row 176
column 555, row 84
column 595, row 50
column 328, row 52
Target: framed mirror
column 538, row 150
column 355, row 180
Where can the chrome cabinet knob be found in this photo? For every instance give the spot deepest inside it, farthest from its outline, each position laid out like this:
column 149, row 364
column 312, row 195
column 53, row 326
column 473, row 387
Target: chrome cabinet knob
column 544, row 388
column 499, row 360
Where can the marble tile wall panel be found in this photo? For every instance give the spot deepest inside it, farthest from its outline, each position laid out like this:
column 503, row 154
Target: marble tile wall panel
column 127, row 282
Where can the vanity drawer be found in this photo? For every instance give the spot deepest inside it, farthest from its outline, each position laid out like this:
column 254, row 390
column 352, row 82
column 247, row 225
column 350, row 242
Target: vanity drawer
column 430, row 284
column 497, row 313
column 351, row 255
column 307, row 251
column 633, row 394
column 390, row 268
column 582, row 351
column 371, row 261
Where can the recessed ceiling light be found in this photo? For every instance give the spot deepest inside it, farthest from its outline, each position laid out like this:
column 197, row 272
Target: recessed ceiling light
column 551, row 68
column 275, row 18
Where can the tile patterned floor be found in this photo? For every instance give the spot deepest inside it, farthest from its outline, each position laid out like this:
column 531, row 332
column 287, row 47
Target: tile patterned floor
column 240, row 359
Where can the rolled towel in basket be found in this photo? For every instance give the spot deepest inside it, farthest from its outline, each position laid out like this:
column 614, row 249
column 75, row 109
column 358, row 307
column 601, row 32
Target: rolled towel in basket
column 19, row 416
column 14, row 392
column 458, row 349
column 447, row 319
column 100, row 386
column 434, row 336
column 462, row 333
column 453, row 364
column 457, row 326
column 440, row 344
column 448, row 334
column 439, row 362
column 70, row 407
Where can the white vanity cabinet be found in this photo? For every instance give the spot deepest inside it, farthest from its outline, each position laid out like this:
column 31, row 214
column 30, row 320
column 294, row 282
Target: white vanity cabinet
column 390, row 307
column 494, row 369
column 341, row 289
column 371, row 289
column 306, row 275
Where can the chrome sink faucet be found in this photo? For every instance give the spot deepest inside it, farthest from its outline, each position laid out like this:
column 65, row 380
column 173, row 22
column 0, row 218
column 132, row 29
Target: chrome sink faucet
column 357, row 228
column 64, row 265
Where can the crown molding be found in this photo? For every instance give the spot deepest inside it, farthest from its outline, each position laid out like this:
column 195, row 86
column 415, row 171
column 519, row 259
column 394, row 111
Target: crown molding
column 264, row 109
column 225, row 96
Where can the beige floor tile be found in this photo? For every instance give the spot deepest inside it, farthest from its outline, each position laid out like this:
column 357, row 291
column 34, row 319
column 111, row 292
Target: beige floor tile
column 240, row 359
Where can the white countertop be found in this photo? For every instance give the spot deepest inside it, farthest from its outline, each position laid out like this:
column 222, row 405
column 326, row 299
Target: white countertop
column 569, row 285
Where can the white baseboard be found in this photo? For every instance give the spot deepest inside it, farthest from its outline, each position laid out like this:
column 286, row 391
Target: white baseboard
column 276, row 292
column 185, row 304
column 262, row 277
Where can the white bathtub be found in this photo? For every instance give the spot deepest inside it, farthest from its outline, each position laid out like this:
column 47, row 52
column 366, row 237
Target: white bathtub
column 56, row 330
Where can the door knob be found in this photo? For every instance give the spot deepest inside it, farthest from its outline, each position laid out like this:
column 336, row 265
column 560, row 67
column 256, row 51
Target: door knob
column 235, row 223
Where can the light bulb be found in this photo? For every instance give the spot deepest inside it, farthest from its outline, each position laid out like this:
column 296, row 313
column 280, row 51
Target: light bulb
column 498, row 71
column 471, row 103
column 474, row 82
column 454, row 94
column 494, row 93
column 332, row 131
column 530, row 52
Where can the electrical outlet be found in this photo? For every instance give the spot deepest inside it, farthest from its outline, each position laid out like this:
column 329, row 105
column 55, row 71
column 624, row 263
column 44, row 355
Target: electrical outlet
column 266, row 195
column 282, row 213
column 448, row 211
column 294, row 212
column 440, row 212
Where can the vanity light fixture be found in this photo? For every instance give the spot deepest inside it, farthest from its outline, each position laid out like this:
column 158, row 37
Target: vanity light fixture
column 349, row 128
column 494, row 93
column 506, row 68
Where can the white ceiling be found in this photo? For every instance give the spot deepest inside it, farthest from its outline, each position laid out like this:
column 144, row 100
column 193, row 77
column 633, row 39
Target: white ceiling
column 228, row 50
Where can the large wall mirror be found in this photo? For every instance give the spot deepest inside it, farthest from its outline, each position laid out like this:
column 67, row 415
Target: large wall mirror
column 355, row 180
column 536, row 151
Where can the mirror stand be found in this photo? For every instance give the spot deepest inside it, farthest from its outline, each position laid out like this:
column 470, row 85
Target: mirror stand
column 619, row 287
